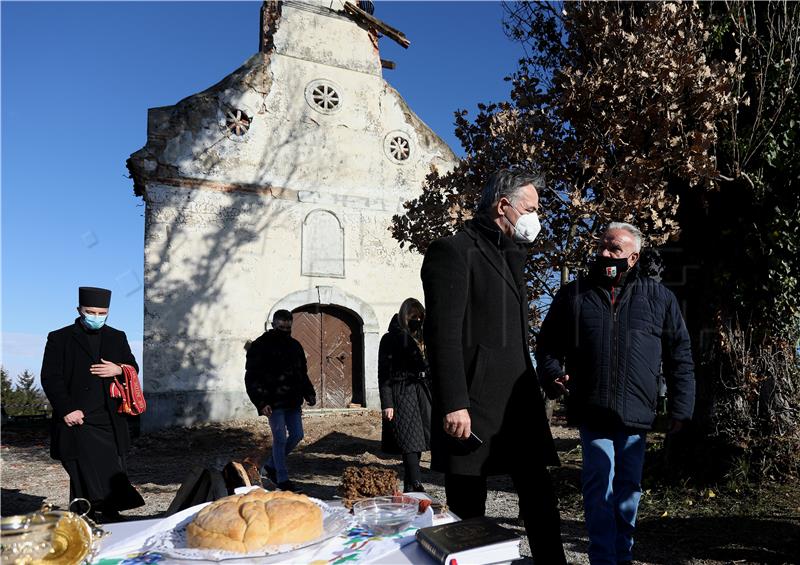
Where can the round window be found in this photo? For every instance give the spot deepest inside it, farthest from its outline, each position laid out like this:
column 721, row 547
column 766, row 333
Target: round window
column 237, row 122
column 324, row 96
column 397, row 146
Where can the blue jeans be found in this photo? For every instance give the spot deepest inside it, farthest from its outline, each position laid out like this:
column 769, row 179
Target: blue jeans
column 284, row 420
column 611, row 477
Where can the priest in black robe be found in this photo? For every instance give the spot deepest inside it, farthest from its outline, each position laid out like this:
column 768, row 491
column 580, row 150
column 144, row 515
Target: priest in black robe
column 88, row 435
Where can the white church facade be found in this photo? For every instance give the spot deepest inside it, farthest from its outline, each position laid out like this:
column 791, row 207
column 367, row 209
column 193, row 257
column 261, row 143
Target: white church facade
column 275, row 189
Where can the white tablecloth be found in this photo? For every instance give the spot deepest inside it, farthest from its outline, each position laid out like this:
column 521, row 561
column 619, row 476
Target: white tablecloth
column 124, row 545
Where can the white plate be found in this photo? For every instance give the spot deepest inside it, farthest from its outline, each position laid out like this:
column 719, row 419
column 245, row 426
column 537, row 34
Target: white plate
column 171, row 540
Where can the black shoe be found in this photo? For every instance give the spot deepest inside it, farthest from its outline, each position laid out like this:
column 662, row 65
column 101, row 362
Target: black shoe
column 270, row 473
column 290, row 486
column 108, row 516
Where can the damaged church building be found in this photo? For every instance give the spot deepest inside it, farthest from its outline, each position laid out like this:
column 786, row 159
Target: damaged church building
column 275, row 189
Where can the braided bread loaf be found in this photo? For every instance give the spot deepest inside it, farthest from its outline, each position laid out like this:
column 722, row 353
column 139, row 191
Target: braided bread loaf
column 249, row 522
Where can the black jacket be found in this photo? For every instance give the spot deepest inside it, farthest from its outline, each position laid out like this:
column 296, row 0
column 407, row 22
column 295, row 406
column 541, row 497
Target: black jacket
column 614, row 354
column 276, row 374
column 476, row 329
column 70, row 386
column 404, row 386
column 399, row 361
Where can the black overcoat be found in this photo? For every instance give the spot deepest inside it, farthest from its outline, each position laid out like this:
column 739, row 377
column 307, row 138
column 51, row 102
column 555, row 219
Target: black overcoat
column 404, row 386
column 93, row 454
column 70, row 386
column 476, row 328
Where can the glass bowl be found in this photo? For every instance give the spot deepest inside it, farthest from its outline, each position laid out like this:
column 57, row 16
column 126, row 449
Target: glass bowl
column 386, row 515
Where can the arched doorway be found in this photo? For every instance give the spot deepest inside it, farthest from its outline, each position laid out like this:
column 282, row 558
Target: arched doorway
column 332, row 338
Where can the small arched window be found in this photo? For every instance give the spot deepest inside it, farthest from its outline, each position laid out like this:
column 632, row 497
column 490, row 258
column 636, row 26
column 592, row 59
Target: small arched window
column 323, row 245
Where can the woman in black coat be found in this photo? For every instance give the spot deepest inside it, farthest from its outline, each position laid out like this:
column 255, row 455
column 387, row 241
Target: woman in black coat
column 404, row 383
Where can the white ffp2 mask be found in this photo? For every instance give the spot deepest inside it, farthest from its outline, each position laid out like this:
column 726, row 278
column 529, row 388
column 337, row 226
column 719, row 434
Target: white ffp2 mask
column 527, row 227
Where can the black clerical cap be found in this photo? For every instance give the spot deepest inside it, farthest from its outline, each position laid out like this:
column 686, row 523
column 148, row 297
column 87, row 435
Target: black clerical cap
column 94, row 297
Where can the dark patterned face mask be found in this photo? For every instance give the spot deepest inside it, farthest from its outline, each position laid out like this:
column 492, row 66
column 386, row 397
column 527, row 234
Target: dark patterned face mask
column 610, row 268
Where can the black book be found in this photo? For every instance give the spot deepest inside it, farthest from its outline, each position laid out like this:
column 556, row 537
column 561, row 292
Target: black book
column 475, row 541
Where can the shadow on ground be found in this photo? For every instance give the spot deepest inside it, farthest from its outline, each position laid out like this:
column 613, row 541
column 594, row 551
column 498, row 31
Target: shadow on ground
column 683, row 541
column 724, row 538
column 12, row 502
column 26, row 436
column 337, row 443
column 324, row 461
column 333, row 453
column 167, row 456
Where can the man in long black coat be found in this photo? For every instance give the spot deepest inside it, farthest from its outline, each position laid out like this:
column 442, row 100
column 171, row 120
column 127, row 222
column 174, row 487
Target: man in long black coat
column 484, row 382
column 88, row 436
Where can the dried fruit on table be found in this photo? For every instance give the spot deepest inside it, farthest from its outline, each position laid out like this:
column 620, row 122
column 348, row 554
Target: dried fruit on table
column 366, row 482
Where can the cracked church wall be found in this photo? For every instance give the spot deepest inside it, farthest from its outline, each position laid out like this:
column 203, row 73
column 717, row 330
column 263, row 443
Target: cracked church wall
column 224, row 212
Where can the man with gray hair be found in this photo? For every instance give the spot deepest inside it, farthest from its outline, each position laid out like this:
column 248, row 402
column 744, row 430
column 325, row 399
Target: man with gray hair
column 604, row 343
column 488, row 412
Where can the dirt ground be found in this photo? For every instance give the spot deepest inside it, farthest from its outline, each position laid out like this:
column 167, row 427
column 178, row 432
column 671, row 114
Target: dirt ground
column 676, row 526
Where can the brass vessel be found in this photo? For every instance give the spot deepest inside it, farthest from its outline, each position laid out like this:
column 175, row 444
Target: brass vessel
column 49, row 537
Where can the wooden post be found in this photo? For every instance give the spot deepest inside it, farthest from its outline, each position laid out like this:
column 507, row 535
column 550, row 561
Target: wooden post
column 262, row 29
column 550, row 405
column 268, row 23
column 387, row 30
column 573, row 229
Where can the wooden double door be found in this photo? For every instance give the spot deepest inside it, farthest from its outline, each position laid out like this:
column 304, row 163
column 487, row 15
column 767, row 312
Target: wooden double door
column 332, row 340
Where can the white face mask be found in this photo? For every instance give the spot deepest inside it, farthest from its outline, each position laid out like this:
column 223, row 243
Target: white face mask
column 527, row 227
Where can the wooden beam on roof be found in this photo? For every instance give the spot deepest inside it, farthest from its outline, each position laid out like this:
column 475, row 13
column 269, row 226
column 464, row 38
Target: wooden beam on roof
column 387, row 30
column 387, row 64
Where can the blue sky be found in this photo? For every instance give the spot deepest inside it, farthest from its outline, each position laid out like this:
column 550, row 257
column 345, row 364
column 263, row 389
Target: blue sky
column 77, row 80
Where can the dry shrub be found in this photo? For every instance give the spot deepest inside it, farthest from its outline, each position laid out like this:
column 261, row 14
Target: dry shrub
column 755, row 403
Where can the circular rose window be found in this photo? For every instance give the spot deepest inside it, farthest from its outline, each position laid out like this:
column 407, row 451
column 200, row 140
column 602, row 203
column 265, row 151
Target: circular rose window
column 237, row 122
column 397, row 146
column 324, row 96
